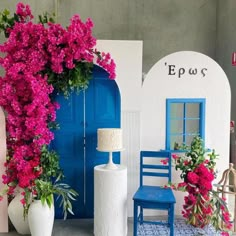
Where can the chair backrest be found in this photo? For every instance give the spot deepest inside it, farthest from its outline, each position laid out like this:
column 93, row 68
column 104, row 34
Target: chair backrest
column 155, row 170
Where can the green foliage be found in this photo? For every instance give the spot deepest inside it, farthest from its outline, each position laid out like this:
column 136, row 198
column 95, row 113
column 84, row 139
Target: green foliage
column 6, row 21
column 71, row 79
column 53, row 125
column 46, row 190
column 49, row 184
column 50, row 165
column 195, row 155
column 218, row 203
column 65, row 194
column 46, row 18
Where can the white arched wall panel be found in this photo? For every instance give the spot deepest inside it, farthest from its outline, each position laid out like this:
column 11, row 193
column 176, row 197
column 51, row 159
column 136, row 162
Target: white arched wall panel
column 165, row 81
column 3, row 203
column 128, row 59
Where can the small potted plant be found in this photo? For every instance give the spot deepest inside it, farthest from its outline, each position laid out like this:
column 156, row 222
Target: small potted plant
column 39, row 202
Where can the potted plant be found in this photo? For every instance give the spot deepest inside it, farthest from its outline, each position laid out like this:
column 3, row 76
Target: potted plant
column 38, row 201
column 41, row 207
column 203, row 205
column 49, row 183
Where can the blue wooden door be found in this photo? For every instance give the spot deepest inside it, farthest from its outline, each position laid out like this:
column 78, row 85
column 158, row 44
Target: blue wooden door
column 79, row 117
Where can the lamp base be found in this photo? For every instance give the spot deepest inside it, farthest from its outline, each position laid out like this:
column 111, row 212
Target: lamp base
column 110, row 165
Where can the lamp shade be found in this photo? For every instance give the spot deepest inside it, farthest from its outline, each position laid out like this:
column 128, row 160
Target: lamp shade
column 109, row 139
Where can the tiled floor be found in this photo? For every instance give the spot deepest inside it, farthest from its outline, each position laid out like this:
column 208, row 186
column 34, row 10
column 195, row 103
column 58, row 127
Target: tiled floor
column 84, row 227
column 81, row 227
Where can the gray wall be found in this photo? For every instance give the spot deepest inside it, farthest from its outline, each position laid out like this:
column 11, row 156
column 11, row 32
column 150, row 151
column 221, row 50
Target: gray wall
column 226, row 44
column 165, row 26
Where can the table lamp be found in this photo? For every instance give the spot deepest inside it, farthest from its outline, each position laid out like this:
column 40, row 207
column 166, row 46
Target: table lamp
column 109, row 140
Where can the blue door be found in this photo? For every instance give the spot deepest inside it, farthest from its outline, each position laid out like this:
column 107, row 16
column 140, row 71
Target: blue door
column 79, row 117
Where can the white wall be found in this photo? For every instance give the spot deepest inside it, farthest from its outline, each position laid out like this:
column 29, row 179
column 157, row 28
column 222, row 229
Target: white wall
column 3, row 203
column 128, row 58
column 161, row 84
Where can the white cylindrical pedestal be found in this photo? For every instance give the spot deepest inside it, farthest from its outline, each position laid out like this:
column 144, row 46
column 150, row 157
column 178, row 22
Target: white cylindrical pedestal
column 110, row 201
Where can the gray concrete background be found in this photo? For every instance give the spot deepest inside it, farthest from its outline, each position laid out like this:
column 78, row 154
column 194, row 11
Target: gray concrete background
column 165, row 26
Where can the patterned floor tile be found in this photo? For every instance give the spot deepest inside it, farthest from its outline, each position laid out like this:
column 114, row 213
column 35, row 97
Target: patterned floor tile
column 181, row 229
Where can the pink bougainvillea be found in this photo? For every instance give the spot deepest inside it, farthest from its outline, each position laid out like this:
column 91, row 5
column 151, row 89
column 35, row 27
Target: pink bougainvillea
column 202, row 204
column 32, row 53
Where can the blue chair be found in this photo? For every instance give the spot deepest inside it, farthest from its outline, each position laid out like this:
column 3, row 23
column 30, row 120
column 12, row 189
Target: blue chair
column 154, row 197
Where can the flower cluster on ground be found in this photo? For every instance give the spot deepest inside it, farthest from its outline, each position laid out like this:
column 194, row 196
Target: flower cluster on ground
column 40, row 58
column 203, row 205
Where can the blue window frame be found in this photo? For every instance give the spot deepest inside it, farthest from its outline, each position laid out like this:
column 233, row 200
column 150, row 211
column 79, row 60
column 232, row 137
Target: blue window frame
column 185, row 118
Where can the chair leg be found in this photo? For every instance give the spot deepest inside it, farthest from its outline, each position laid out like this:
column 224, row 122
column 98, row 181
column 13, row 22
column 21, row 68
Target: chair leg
column 135, row 225
column 141, row 215
column 169, row 217
column 172, row 216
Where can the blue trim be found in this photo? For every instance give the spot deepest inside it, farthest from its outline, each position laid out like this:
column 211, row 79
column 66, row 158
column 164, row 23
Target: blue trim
column 202, row 121
column 168, row 101
column 141, row 164
column 186, row 100
column 185, row 134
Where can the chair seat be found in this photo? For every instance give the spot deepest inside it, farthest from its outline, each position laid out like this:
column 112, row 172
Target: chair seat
column 154, row 194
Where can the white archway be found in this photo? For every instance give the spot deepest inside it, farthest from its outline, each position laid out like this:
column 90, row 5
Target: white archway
column 187, row 74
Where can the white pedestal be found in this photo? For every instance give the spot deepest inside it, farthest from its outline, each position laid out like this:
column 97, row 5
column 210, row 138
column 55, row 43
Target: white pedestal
column 110, row 201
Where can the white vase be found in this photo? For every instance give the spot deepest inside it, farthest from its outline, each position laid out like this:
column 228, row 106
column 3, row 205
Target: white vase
column 15, row 213
column 41, row 218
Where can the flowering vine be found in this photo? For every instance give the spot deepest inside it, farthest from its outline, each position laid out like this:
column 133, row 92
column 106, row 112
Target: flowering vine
column 202, row 204
column 40, row 58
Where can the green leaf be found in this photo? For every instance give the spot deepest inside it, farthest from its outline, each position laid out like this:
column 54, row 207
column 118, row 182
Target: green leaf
column 43, row 200
column 70, row 210
column 6, row 12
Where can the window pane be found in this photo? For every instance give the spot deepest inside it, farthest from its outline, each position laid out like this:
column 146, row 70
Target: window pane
column 175, row 139
column 192, row 126
column 177, row 110
column 176, row 126
column 189, row 139
column 192, row 110
column 185, row 119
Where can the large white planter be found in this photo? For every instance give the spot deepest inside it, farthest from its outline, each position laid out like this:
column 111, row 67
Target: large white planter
column 15, row 213
column 41, row 219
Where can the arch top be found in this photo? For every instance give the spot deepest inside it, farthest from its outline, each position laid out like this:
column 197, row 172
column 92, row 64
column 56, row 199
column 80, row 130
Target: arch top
column 188, row 69
column 98, row 70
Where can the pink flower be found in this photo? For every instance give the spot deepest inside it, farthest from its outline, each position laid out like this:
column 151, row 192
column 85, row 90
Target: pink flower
column 174, row 156
column 224, row 233
column 186, row 162
column 192, row 178
column 181, row 185
column 205, row 184
column 23, row 201
column 24, row 12
column 165, row 161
